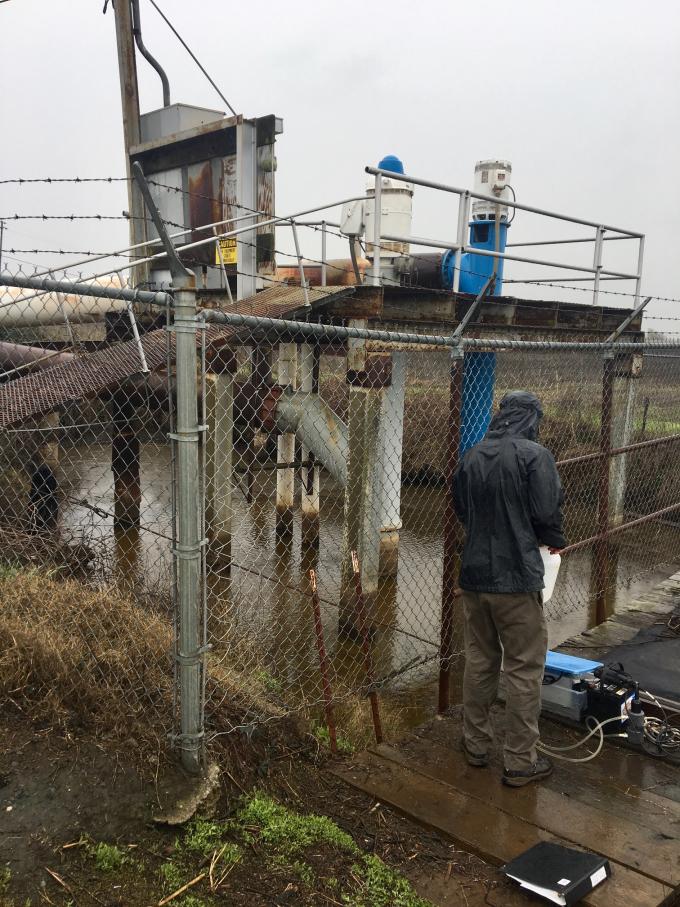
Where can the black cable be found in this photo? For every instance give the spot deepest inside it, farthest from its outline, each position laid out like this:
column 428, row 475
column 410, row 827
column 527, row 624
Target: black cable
column 191, row 53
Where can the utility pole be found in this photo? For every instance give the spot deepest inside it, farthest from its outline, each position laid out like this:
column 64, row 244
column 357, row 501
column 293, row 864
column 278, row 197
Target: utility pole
column 129, row 95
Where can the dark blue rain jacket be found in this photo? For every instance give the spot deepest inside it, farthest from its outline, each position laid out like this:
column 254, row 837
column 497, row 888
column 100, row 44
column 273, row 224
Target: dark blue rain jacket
column 508, row 495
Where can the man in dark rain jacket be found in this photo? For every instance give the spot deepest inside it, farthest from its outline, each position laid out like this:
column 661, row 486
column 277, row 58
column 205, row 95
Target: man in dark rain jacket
column 508, row 495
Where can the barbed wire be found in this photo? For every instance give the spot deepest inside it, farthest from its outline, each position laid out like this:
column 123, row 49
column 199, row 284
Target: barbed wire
column 98, row 217
column 545, row 283
column 66, row 252
column 20, row 181
column 329, row 231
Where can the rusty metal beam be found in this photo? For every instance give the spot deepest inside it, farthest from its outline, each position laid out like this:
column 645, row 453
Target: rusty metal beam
column 601, row 553
column 451, row 530
column 615, row 451
column 586, row 543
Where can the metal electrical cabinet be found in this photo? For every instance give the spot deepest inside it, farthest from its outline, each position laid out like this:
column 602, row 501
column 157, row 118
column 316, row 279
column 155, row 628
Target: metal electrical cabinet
column 203, row 168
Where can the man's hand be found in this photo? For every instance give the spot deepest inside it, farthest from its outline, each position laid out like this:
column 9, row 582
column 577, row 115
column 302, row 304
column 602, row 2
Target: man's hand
column 554, row 550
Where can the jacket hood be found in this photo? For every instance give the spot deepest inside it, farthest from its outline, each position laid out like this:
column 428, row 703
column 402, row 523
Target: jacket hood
column 518, row 416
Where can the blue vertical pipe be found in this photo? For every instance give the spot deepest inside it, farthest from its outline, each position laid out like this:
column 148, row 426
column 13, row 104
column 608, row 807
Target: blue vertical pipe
column 475, row 270
column 479, row 379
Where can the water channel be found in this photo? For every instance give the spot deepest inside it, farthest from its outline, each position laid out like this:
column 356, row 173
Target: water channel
column 261, row 615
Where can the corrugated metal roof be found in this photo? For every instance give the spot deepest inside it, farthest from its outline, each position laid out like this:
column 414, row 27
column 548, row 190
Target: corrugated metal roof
column 285, row 301
column 87, row 376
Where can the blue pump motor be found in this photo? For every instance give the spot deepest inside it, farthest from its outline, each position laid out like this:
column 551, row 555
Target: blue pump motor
column 475, row 270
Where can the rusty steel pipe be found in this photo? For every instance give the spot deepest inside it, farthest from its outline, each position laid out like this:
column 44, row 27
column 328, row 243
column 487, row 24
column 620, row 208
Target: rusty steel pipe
column 366, row 649
column 15, row 356
column 586, row 543
column 451, row 529
column 340, row 272
column 616, row 451
column 323, row 665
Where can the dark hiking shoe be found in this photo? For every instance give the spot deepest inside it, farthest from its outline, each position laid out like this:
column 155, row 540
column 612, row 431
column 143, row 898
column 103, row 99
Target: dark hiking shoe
column 542, row 768
column 478, row 760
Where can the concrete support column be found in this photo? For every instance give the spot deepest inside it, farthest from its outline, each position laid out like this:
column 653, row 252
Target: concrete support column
column 309, row 476
column 391, row 446
column 362, row 514
column 261, row 378
column 219, row 461
column 285, row 475
column 624, row 394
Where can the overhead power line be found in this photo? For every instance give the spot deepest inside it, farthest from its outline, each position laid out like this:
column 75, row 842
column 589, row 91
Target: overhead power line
column 191, row 53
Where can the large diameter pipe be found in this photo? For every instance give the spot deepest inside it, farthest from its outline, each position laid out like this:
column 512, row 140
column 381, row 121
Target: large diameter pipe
column 339, row 272
column 18, row 356
column 317, row 428
column 49, row 310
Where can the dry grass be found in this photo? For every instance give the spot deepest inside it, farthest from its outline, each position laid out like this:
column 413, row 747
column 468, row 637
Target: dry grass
column 92, row 659
column 76, row 655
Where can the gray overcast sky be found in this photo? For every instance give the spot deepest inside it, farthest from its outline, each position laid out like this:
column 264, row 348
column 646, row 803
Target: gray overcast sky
column 582, row 97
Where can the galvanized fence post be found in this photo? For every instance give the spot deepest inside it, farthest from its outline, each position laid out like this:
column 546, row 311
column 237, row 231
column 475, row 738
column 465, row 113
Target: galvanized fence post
column 187, row 552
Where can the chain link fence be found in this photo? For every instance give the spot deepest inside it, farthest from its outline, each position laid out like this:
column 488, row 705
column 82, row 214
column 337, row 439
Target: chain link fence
column 316, row 443
column 86, row 516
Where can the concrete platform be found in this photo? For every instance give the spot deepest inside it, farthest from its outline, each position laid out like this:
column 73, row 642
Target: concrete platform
column 623, row 805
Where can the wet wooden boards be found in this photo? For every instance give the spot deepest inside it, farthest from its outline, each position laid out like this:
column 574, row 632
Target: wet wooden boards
column 433, row 785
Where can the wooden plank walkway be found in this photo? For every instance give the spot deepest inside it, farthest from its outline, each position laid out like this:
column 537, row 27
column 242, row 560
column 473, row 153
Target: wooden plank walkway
column 426, row 777
column 623, row 805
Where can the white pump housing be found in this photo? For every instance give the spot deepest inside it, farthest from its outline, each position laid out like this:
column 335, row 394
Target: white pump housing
column 395, row 219
column 492, row 177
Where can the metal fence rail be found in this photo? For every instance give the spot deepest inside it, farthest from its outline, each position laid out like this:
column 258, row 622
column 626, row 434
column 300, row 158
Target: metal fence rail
column 314, row 510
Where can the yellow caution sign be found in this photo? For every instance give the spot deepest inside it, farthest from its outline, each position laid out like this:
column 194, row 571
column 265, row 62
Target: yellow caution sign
column 226, row 250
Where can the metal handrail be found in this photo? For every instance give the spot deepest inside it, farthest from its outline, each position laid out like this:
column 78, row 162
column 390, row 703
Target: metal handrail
column 460, row 246
column 456, row 190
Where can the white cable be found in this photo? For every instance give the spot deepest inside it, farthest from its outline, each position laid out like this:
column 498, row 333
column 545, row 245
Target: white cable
column 554, row 752
column 583, row 740
column 656, row 702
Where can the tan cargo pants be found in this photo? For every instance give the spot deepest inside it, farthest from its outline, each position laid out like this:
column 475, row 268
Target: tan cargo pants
column 507, row 628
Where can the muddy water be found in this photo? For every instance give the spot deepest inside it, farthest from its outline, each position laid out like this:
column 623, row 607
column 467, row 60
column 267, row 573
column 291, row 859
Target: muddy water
column 263, row 609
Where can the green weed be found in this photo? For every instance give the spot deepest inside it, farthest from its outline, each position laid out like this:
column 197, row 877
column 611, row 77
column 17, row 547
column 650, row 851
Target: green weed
column 172, row 877
column 230, row 854
column 5, row 879
column 303, row 871
column 203, row 836
column 289, row 832
column 107, row 857
column 268, row 681
column 382, row 887
column 322, row 734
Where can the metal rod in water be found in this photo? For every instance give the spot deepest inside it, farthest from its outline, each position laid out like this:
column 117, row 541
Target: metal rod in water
column 366, row 648
column 323, row 664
